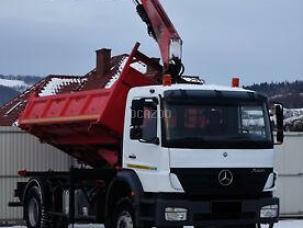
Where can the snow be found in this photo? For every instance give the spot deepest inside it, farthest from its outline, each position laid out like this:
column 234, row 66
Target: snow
column 193, row 79
column 293, row 119
column 54, row 85
column 13, row 108
column 139, row 66
column 293, row 115
column 290, row 224
column 118, row 74
column 281, row 224
column 13, row 83
column 293, row 112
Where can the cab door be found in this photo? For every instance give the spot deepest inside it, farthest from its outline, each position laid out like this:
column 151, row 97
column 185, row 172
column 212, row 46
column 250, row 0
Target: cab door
column 142, row 151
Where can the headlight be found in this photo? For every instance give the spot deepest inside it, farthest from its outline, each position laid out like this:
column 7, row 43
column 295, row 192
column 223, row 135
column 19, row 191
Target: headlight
column 270, row 211
column 175, row 214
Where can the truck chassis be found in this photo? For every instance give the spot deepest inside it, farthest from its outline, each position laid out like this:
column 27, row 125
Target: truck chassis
column 57, row 199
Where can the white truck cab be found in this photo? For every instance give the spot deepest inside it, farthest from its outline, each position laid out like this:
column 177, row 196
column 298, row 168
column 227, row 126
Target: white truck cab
column 210, row 143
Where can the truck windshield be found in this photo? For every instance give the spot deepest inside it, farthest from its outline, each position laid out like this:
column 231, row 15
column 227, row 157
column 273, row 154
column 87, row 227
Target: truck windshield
column 229, row 122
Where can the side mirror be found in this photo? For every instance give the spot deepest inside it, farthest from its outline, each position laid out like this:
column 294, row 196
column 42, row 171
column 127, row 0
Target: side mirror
column 280, row 121
column 136, row 133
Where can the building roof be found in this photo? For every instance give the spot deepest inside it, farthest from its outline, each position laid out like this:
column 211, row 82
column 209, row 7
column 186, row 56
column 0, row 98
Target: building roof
column 58, row 84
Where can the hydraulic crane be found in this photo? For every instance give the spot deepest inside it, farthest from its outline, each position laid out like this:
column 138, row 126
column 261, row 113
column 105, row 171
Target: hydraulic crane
column 163, row 31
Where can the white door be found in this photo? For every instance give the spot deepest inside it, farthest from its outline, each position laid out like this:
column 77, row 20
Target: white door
column 145, row 155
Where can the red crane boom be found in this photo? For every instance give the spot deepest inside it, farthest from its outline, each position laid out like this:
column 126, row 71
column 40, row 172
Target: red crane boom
column 163, row 31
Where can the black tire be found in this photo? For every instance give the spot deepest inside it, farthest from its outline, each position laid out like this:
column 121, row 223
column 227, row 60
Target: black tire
column 35, row 214
column 123, row 215
column 231, row 226
column 244, row 226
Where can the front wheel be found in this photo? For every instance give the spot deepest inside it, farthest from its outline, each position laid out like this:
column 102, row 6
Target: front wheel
column 232, row 226
column 123, row 216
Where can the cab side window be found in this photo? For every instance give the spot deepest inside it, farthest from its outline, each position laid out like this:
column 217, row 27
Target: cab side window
column 144, row 120
column 149, row 126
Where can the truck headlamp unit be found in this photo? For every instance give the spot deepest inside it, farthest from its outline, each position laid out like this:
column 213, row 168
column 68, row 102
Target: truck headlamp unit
column 175, row 214
column 269, row 211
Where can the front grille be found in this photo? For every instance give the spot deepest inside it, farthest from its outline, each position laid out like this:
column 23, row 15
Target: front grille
column 203, row 217
column 204, row 182
column 225, row 210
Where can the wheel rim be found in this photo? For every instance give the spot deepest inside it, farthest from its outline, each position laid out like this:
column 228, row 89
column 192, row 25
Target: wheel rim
column 125, row 220
column 33, row 212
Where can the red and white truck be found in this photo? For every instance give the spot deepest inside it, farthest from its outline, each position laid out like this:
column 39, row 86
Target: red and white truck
column 161, row 150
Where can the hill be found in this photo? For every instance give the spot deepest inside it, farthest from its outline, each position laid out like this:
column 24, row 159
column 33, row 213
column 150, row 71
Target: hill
column 6, row 94
column 18, row 83
column 11, row 86
column 290, row 94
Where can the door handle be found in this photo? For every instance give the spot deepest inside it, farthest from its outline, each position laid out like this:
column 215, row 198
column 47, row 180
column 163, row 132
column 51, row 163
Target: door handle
column 132, row 156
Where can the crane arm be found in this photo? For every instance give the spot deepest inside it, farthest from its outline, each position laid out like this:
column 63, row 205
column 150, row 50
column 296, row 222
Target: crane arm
column 163, row 31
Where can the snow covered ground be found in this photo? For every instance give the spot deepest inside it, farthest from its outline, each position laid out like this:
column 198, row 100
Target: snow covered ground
column 290, row 224
column 282, row 224
column 292, row 115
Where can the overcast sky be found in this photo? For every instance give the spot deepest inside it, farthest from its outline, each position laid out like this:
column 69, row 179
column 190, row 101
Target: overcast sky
column 258, row 40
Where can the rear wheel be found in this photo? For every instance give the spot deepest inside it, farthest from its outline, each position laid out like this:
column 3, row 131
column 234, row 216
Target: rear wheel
column 34, row 209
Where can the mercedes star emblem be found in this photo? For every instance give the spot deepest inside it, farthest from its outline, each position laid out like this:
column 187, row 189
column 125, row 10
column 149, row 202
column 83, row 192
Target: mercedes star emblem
column 225, row 177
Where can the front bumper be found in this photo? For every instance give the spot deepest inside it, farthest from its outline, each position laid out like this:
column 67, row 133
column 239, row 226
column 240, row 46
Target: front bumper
column 204, row 212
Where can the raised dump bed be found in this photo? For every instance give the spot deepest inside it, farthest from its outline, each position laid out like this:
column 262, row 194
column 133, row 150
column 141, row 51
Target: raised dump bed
column 89, row 124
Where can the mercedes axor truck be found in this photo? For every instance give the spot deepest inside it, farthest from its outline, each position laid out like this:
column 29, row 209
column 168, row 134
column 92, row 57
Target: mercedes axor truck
column 160, row 149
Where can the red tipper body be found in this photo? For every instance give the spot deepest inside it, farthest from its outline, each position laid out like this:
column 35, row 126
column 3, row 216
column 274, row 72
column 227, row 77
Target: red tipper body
column 88, row 124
